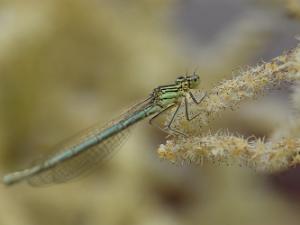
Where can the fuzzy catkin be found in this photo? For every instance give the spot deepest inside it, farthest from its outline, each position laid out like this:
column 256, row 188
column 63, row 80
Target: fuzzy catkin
column 229, row 149
column 247, row 85
column 224, row 148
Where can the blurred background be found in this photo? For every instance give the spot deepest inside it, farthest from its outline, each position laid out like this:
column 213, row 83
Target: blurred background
column 66, row 64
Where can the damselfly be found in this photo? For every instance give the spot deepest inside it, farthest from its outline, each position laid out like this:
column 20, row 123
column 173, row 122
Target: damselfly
column 82, row 152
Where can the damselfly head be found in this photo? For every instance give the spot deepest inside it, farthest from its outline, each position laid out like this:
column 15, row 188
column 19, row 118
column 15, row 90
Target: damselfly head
column 191, row 81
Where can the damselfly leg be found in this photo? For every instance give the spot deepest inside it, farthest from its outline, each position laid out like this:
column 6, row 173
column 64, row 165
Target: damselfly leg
column 169, row 126
column 187, row 111
column 188, row 116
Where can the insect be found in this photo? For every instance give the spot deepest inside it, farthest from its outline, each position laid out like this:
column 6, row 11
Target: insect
column 82, row 152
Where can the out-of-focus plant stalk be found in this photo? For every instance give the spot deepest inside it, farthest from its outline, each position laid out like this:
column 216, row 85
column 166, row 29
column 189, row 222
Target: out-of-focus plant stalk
column 293, row 8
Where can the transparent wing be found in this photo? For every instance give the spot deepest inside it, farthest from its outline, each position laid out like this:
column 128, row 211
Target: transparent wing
column 87, row 160
column 79, row 164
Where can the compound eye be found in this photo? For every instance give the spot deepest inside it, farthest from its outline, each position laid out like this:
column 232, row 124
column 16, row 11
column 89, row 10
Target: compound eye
column 196, row 78
column 194, row 81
